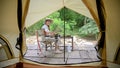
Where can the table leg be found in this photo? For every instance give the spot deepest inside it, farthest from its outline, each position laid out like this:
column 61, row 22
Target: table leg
column 72, row 43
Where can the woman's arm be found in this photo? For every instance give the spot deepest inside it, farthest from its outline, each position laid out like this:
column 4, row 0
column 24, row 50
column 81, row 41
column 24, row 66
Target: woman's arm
column 50, row 33
column 47, row 33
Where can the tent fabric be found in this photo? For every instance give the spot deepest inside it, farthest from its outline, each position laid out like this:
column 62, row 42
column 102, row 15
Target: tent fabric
column 21, row 15
column 101, row 14
column 45, row 7
column 102, row 19
column 25, row 6
column 19, row 18
column 39, row 9
column 78, row 6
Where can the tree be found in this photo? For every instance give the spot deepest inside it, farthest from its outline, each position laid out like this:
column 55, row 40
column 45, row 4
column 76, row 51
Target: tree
column 76, row 19
column 75, row 24
column 89, row 29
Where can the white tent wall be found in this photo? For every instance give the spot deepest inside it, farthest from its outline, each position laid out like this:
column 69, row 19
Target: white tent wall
column 79, row 7
column 8, row 22
column 39, row 9
column 9, row 28
column 112, row 27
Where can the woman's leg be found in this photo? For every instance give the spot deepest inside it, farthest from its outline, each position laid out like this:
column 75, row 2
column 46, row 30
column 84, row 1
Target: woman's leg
column 57, row 43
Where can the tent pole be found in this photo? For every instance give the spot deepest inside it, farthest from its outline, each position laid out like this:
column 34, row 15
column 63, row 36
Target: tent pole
column 64, row 33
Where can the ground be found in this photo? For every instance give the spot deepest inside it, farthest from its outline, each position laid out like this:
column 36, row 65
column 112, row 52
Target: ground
column 83, row 52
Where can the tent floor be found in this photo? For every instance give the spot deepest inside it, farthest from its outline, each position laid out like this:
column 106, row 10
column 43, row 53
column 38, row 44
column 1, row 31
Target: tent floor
column 80, row 54
column 27, row 65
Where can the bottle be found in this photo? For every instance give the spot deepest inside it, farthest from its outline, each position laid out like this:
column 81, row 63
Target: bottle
column 69, row 48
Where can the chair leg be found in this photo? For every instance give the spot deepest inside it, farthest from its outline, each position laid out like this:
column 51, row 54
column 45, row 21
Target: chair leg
column 46, row 47
column 51, row 46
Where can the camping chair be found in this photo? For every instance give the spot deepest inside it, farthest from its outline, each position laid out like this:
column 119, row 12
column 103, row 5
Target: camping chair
column 42, row 43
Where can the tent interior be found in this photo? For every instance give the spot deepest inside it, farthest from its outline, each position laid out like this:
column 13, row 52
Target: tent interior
column 16, row 15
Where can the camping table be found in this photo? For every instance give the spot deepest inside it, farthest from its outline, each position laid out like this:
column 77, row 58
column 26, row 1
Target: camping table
column 69, row 37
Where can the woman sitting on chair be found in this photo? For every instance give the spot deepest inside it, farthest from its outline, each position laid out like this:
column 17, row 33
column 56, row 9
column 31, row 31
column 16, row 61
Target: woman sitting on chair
column 51, row 36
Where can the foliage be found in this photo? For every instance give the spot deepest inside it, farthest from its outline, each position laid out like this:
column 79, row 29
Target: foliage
column 90, row 29
column 31, row 30
column 75, row 24
column 71, row 17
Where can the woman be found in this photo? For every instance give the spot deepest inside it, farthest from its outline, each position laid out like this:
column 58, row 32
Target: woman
column 51, row 36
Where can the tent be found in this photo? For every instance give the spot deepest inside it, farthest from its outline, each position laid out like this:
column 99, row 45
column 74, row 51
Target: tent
column 36, row 13
column 15, row 15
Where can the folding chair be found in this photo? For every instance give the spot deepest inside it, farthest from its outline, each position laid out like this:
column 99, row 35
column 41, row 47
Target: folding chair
column 42, row 44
